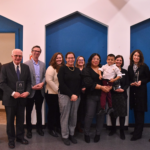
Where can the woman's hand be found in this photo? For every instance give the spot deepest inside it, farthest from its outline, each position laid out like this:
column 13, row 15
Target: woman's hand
column 74, row 97
column 105, row 89
column 119, row 90
column 138, row 83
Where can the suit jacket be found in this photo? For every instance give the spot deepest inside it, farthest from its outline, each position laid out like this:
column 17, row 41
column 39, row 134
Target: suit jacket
column 8, row 79
column 32, row 74
column 138, row 95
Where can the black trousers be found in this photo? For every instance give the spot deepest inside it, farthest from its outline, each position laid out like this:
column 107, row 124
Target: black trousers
column 121, row 121
column 53, row 116
column 139, row 123
column 11, row 112
column 38, row 100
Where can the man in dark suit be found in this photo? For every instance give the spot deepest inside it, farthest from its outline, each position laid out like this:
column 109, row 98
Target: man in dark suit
column 16, row 83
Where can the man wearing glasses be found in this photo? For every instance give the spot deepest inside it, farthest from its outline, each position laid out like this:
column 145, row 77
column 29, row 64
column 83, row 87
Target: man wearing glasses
column 37, row 72
column 16, row 85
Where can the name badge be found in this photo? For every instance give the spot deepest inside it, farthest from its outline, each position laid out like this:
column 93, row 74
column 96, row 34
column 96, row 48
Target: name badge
column 20, row 86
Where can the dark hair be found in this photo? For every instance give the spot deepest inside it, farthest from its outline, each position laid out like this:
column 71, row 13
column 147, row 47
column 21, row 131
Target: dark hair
column 36, row 46
column 111, row 55
column 53, row 61
column 141, row 62
column 118, row 56
column 90, row 59
column 69, row 53
column 76, row 65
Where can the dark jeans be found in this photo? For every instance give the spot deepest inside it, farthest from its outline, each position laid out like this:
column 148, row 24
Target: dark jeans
column 121, row 121
column 92, row 107
column 38, row 100
column 139, row 123
column 53, row 116
column 11, row 112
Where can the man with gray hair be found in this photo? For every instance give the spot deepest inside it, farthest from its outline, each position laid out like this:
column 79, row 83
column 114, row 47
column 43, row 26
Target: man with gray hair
column 16, row 85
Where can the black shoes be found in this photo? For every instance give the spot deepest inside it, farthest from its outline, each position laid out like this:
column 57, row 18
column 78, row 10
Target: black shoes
column 11, row 144
column 110, row 110
column 101, row 112
column 53, row 133
column 122, row 135
column 72, row 139
column 96, row 138
column 112, row 132
column 66, row 141
column 22, row 141
column 40, row 132
column 29, row 134
column 87, row 138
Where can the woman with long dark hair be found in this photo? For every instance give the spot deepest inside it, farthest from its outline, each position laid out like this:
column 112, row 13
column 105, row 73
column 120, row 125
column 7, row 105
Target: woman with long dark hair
column 93, row 90
column 138, row 78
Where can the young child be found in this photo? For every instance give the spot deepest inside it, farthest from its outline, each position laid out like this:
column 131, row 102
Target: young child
column 110, row 70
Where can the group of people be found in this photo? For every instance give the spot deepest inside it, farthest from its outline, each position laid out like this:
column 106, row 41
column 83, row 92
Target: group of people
column 75, row 92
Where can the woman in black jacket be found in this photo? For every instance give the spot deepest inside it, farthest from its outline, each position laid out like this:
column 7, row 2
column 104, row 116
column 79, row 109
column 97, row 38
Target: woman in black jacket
column 93, row 91
column 119, row 99
column 138, row 78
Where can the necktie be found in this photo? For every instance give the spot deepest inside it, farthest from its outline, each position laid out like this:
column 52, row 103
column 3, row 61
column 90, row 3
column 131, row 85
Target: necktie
column 18, row 73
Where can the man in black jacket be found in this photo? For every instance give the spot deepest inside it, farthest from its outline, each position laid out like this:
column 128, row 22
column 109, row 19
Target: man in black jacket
column 16, row 84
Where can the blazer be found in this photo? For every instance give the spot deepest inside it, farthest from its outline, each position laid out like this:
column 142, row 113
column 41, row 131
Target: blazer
column 124, row 82
column 8, row 79
column 32, row 73
column 138, row 95
column 51, row 81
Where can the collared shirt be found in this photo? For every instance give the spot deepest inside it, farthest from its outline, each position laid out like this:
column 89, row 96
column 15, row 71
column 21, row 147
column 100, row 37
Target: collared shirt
column 135, row 67
column 109, row 72
column 37, row 71
column 16, row 67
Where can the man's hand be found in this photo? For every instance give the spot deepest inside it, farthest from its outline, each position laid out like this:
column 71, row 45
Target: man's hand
column 16, row 95
column 24, row 95
column 38, row 86
column 74, row 97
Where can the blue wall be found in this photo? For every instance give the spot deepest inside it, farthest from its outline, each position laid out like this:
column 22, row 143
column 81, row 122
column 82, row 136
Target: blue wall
column 140, row 39
column 78, row 34
column 9, row 26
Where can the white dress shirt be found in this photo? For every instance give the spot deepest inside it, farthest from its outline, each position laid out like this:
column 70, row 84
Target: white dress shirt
column 109, row 72
column 16, row 72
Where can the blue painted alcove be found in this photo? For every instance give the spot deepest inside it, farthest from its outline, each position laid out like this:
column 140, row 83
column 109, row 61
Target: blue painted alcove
column 77, row 33
column 9, row 26
column 140, row 39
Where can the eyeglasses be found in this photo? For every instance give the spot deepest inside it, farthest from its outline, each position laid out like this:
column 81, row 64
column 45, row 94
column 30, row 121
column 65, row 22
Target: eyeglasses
column 20, row 56
column 96, row 59
column 36, row 51
column 80, row 60
column 70, row 58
